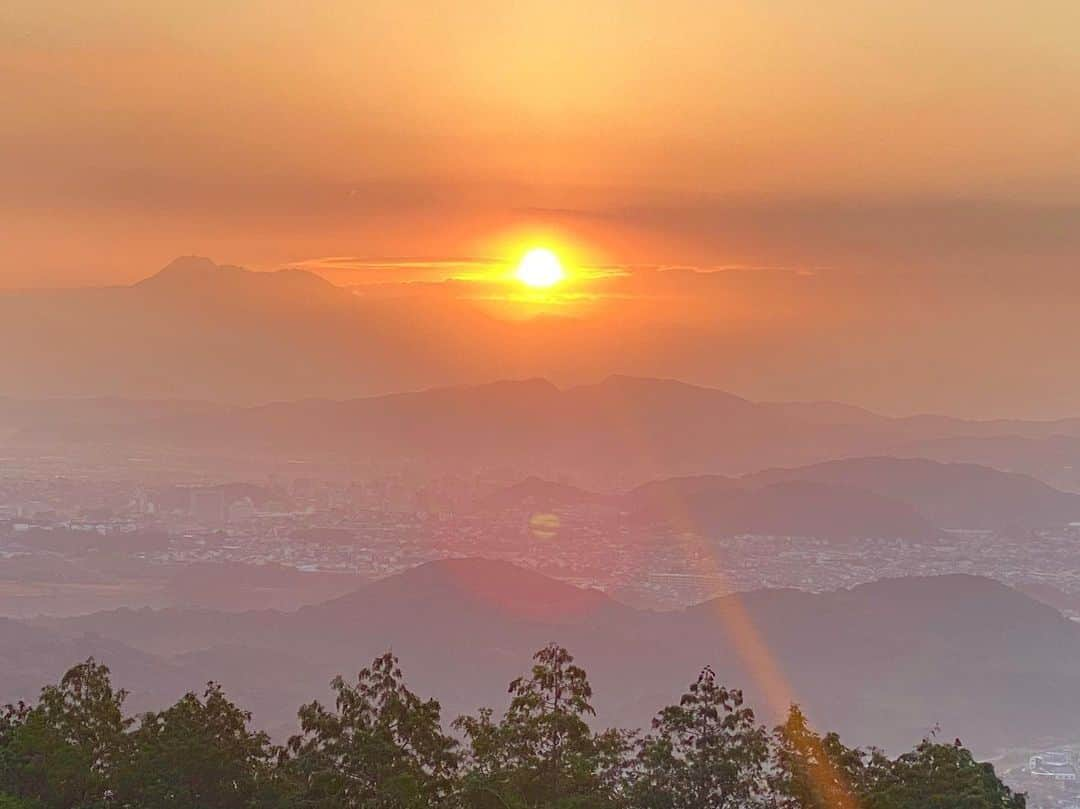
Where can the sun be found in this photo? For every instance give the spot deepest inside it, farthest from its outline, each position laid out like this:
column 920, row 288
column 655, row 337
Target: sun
column 540, row 268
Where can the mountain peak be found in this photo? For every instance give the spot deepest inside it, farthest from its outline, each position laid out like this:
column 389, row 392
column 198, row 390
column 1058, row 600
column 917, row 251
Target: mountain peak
column 628, row 385
column 198, row 275
column 189, row 269
column 497, row 587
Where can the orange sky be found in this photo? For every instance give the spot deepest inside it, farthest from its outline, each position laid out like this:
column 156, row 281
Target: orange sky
column 710, row 133
column 859, row 195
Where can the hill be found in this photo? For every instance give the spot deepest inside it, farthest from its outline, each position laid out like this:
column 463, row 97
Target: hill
column 462, row 629
column 950, row 495
column 34, row 656
column 622, row 428
column 197, row 330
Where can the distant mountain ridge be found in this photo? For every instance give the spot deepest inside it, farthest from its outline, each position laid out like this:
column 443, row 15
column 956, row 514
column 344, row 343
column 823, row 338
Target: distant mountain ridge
column 221, row 338
column 199, row 330
column 622, row 428
column 950, row 495
column 877, row 496
column 463, row 628
column 194, row 278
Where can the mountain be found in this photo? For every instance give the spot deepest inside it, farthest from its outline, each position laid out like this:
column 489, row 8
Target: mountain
column 666, row 501
column 949, row 495
column 188, row 359
column 623, row 429
column 719, row 506
column 34, row 657
column 884, row 662
column 1054, row 459
column 203, row 331
column 197, row 330
column 234, row 587
column 194, row 280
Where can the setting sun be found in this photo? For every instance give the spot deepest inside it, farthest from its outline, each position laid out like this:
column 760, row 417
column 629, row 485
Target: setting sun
column 540, row 268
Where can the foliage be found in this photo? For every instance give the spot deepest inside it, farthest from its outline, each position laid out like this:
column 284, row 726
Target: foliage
column 942, row 776
column 543, row 752
column 198, row 754
column 383, row 747
column 811, row 771
column 707, row 752
column 63, row 753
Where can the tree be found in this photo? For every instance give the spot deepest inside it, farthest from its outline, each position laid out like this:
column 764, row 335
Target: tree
column 11, row 802
column 382, row 748
column 941, row 776
column 814, row 772
column 543, row 752
column 198, row 754
column 64, row 752
column 12, row 719
column 707, row 752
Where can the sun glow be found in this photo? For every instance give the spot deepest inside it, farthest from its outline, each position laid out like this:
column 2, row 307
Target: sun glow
column 540, row 268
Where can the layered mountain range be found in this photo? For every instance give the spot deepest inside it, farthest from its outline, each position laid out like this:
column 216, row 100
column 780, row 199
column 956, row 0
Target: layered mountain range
column 623, row 429
column 884, row 662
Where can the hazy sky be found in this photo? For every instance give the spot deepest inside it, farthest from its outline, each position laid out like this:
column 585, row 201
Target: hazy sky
column 896, row 184
column 713, row 133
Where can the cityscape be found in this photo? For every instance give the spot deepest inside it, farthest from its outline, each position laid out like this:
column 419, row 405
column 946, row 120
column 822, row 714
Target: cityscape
column 413, row 404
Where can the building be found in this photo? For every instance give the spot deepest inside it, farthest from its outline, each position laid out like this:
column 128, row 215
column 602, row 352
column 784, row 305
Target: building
column 1055, row 764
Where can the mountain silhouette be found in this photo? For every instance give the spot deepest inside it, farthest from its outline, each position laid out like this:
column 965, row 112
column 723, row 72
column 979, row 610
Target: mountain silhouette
column 883, row 662
column 950, row 495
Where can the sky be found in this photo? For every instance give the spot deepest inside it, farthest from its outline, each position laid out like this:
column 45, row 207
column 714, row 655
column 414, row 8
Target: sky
column 716, row 133
column 851, row 162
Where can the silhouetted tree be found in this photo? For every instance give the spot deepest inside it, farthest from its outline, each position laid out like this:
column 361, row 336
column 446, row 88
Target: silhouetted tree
column 707, row 752
column 198, row 754
column 543, row 752
column 810, row 771
column 941, row 776
column 381, row 748
column 64, row 752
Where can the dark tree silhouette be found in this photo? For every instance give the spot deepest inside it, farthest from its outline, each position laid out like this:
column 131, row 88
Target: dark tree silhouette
column 64, row 752
column 707, row 752
column 381, row 748
column 201, row 754
column 543, row 752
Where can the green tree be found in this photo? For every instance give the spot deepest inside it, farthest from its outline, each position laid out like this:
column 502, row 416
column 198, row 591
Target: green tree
column 810, row 771
column 543, row 753
column 11, row 802
column 707, row 752
column 941, row 776
column 198, row 754
column 64, row 752
column 12, row 719
column 382, row 748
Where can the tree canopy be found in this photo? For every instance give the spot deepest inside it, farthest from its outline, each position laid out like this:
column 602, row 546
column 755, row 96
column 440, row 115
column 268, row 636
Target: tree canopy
column 381, row 746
